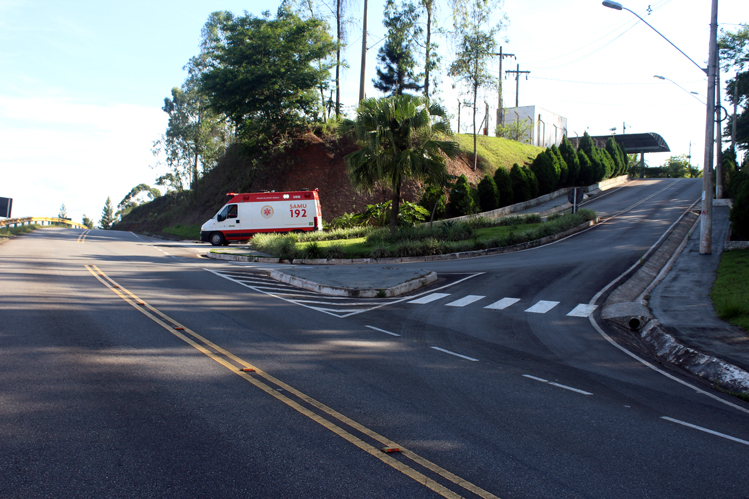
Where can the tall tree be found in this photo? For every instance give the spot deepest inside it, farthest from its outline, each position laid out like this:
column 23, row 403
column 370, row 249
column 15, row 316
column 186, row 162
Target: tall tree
column 431, row 59
column 107, row 215
column 87, row 222
column 504, row 185
column 196, row 136
column 569, row 155
column 395, row 72
column 324, row 11
column 267, row 76
column 136, row 197
column 400, row 137
column 63, row 212
column 734, row 55
column 476, row 45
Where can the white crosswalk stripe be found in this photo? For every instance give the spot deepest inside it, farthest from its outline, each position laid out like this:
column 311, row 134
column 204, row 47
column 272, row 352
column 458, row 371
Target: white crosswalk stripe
column 503, row 303
column 466, row 300
column 542, row 307
column 582, row 310
column 429, row 298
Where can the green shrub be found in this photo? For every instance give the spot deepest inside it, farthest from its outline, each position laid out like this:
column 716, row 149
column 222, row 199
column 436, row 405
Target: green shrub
column 462, row 201
column 740, row 211
column 335, row 251
column 434, row 199
column 345, row 221
column 313, row 250
column 488, row 194
column 521, row 189
column 504, row 186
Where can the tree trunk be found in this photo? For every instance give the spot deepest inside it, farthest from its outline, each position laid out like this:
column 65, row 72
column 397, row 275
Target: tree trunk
column 475, row 95
column 395, row 208
column 428, row 5
column 338, row 16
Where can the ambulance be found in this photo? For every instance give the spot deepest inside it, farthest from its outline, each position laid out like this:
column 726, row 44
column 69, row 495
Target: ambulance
column 248, row 214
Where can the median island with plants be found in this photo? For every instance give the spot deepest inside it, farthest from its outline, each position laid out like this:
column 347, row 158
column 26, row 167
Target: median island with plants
column 420, row 240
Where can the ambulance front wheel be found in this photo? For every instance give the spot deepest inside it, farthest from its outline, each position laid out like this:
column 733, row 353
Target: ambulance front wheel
column 217, row 239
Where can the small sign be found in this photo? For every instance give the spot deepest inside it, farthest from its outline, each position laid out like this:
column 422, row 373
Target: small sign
column 6, row 205
column 575, row 193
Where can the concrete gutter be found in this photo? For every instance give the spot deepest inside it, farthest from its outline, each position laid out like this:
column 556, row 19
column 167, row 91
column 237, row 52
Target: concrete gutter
column 627, row 309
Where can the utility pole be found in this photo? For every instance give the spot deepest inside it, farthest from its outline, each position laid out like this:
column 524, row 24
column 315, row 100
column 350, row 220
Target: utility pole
column 718, row 132
column 706, row 215
column 500, row 108
column 458, row 115
column 363, row 54
column 517, row 73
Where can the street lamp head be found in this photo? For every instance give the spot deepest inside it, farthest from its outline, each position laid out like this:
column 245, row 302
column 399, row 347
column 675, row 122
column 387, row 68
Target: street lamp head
column 659, row 77
column 612, row 5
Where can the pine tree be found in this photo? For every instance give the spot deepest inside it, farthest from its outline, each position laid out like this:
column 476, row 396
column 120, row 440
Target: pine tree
column 488, row 194
column 396, row 57
column 563, row 170
column 521, row 190
column 546, row 172
column 107, row 215
column 567, row 150
column 504, row 185
column 462, row 201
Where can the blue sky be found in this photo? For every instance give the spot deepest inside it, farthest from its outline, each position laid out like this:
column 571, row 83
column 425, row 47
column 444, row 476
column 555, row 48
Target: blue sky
column 83, row 82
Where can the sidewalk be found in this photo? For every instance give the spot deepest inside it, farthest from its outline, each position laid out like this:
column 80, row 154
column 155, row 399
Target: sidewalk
column 674, row 317
column 682, row 303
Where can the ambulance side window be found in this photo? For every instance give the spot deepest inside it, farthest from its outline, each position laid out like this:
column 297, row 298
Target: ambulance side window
column 222, row 214
column 232, row 211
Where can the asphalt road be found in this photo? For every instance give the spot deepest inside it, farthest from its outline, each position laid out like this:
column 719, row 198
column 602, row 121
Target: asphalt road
column 137, row 390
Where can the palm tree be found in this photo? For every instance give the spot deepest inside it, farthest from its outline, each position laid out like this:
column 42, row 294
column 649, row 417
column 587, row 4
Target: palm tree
column 401, row 137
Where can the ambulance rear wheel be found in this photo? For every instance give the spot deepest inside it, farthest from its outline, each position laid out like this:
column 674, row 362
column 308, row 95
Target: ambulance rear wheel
column 217, row 239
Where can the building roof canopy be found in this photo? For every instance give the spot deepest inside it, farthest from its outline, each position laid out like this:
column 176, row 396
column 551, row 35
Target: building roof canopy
column 634, row 143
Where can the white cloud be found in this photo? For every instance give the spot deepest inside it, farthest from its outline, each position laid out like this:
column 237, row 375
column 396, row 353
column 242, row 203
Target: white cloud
column 55, row 151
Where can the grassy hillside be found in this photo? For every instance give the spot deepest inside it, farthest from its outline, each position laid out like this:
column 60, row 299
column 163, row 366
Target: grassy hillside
column 495, row 152
column 307, row 162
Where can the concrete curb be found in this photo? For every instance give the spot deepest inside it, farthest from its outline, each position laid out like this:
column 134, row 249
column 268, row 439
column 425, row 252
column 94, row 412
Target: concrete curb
column 242, row 258
column 626, row 308
column 406, row 287
column 411, row 259
column 707, row 367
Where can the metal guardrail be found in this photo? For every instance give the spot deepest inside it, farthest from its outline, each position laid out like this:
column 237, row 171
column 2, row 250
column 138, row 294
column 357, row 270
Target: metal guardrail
column 15, row 222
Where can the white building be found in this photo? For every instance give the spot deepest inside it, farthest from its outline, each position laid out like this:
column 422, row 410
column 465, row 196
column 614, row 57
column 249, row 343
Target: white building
column 542, row 128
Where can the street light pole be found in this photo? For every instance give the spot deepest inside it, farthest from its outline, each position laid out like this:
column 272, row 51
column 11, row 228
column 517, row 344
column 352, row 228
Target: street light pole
column 706, row 215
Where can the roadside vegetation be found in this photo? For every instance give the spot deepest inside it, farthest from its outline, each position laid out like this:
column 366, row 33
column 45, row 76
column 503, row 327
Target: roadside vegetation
column 9, row 232
column 730, row 292
column 422, row 240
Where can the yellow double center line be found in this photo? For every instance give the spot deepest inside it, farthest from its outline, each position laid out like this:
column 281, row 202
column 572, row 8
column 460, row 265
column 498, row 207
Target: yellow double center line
column 82, row 236
column 259, row 378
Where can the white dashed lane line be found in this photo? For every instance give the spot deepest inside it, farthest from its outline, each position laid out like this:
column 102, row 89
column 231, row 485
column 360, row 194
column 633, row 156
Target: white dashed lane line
column 565, row 387
column 455, row 354
column 383, row 331
column 711, row 432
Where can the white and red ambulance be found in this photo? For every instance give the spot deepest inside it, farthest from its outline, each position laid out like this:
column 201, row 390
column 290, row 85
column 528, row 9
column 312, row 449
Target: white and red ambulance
column 248, row 214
